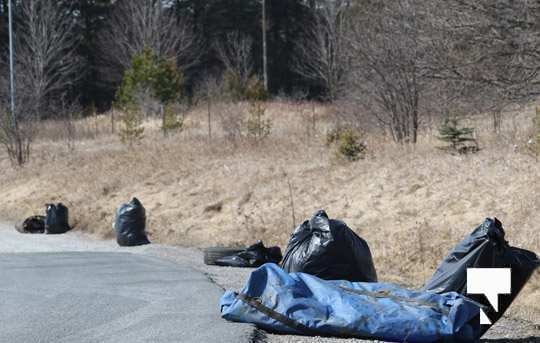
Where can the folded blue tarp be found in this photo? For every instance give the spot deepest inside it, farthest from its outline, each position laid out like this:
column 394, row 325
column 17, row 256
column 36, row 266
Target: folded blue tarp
column 303, row 304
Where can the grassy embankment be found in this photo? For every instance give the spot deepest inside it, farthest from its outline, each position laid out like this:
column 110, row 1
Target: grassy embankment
column 411, row 203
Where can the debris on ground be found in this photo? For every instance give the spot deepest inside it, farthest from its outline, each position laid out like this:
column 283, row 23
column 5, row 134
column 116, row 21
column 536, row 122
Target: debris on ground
column 56, row 219
column 485, row 247
column 330, row 250
column 253, row 256
column 303, row 304
column 32, row 224
column 130, row 224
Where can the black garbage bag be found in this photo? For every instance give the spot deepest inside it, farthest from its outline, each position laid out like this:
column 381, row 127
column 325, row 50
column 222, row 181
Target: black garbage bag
column 32, row 224
column 130, row 224
column 485, row 247
column 56, row 219
column 329, row 249
column 254, row 256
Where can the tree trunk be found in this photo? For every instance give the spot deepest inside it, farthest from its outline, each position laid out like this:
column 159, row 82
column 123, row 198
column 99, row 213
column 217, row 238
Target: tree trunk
column 265, row 58
column 209, row 118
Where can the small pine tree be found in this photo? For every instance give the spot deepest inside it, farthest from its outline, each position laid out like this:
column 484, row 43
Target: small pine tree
column 137, row 79
column 258, row 126
column 457, row 137
column 149, row 75
column 254, row 90
column 168, row 81
column 131, row 131
column 348, row 144
column 234, row 88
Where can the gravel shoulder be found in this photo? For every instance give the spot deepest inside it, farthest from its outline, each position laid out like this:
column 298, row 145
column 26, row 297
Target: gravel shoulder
column 506, row 330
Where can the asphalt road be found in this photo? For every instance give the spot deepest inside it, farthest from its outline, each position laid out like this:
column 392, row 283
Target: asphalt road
column 66, row 289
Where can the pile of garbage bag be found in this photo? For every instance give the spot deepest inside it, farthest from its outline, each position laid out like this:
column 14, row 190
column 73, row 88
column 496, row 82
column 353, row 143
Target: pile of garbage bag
column 55, row 221
column 317, row 292
column 485, row 247
column 130, row 224
column 329, row 249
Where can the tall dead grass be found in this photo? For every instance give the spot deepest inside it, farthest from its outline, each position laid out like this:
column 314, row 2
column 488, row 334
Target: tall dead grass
column 411, row 203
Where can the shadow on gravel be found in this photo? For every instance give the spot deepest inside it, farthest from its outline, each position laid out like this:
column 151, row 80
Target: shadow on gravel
column 512, row 340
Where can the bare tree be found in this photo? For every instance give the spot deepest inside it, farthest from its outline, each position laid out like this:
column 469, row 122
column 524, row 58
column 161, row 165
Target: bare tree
column 209, row 90
column 492, row 47
column 16, row 139
column 389, row 75
column 321, row 53
column 46, row 61
column 264, row 25
column 138, row 24
column 496, row 43
column 235, row 52
column 46, row 67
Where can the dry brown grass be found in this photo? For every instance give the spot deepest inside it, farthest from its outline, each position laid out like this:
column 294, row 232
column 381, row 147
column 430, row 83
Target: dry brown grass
column 412, row 204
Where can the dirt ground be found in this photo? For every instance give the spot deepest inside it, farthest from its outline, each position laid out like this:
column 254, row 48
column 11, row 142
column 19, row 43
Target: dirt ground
column 412, row 204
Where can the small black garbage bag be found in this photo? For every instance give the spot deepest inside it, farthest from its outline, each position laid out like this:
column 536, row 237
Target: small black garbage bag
column 254, row 256
column 56, row 219
column 32, row 224
column 329, row 249
column 485, row 247
column 130, row 224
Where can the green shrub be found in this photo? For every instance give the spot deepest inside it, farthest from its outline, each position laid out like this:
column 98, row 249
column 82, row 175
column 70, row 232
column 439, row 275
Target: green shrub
column 348, row 143
column 350, row 146
column 460, row 139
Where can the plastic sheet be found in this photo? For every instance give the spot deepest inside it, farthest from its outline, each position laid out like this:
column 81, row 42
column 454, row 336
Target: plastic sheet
column 303, row 304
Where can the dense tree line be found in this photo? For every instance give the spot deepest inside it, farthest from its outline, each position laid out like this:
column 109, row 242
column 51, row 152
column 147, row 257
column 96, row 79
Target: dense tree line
column 395, row 60
column 93, row 24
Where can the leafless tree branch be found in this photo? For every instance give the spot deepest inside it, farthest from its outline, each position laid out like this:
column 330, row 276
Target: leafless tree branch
column 235, row 52
column 138, row 24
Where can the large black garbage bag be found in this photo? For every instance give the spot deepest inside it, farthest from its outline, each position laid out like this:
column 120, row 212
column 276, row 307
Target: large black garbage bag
column 130, row 224
column 254, row 256
column 330, row 250
column 32, row 224
column 485, row 247
column 56, row 219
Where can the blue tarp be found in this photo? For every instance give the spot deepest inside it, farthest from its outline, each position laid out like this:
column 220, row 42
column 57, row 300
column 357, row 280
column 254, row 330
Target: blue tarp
column 303, row 304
